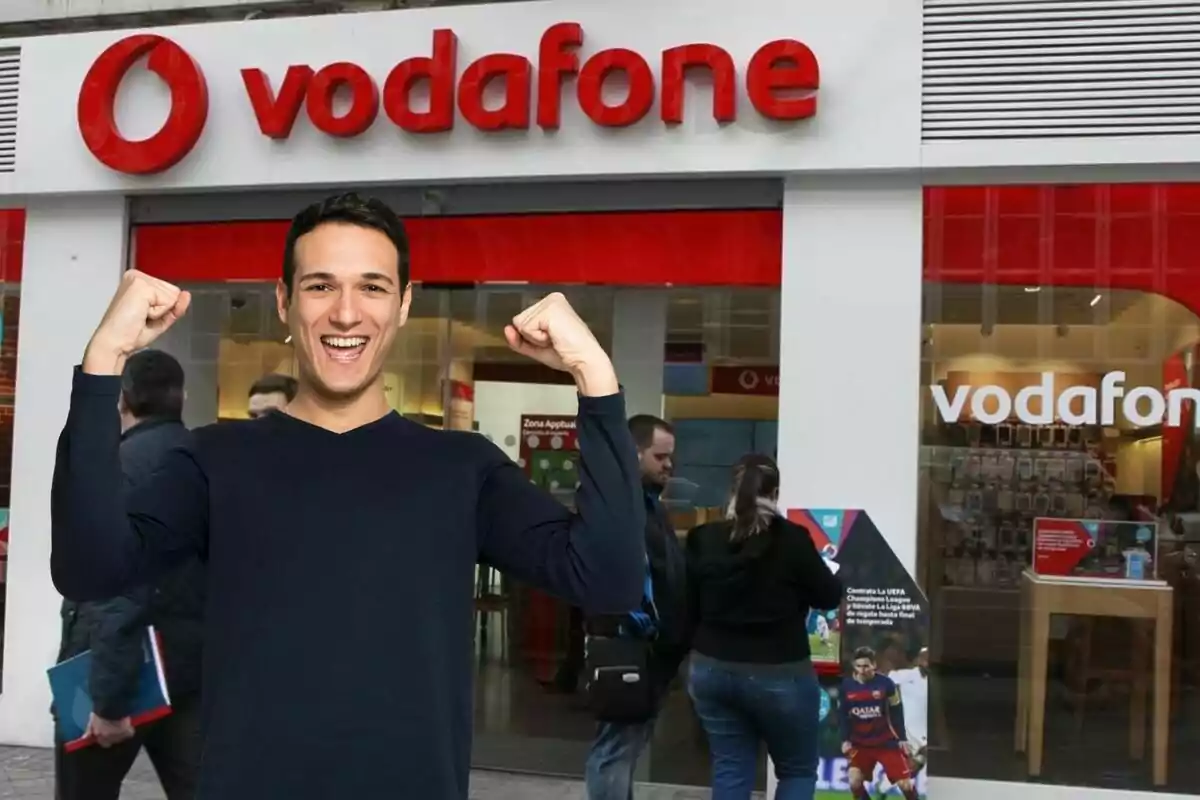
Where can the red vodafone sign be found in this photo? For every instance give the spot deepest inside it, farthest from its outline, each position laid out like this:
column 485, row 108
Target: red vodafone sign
column 781, row 81
column 185, row 121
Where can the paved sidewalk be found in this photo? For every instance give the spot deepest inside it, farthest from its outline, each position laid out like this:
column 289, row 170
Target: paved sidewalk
column 28, row 774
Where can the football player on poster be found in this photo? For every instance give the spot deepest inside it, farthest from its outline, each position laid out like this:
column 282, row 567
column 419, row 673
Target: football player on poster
column 822, row 630
column 914, row 692
column 871, row 714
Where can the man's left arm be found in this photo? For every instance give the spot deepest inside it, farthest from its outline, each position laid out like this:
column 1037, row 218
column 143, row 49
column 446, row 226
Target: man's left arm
column 594, row 558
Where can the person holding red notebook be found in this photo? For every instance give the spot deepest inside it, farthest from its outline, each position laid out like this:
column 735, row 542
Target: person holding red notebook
column 150, row 409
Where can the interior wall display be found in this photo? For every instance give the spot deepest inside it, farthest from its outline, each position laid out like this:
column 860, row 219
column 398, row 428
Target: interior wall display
column 990, row 482
column 1089, row 548
column 875, row 721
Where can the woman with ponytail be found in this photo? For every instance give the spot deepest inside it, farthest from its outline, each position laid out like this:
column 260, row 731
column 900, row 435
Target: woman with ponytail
column 753, row 578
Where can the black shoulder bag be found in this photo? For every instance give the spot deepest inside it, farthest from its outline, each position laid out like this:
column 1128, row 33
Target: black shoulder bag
column 618, row 680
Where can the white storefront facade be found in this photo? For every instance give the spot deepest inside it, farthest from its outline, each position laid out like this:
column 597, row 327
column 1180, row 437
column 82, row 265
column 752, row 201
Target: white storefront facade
column 833, row 120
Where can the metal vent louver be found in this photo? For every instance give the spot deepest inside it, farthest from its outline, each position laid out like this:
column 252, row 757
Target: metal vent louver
column 10, row 82
column 1008, row 69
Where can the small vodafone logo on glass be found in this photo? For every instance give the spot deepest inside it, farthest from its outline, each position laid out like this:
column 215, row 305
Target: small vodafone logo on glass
column 184, row 124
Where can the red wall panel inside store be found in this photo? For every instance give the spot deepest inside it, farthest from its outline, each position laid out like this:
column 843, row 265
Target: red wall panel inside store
column 1111, row 236
column 698, row 248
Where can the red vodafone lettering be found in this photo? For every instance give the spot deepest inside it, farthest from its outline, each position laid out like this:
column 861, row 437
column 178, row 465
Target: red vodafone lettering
column 780, row 66
column 276, row 113
column 556, row 59
column 782, row 79
column 516, row 73
column 364, row 100
column 438, row 71
column 590, row 90
column 679, row 59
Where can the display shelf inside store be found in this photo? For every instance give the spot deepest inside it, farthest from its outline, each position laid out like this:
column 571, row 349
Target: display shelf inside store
column 987, row 483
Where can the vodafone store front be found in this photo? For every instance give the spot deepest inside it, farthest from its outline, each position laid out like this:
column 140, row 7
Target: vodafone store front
column 792, row 241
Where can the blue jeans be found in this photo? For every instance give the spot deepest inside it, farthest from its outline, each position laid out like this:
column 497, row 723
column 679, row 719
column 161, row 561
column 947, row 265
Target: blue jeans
column 613, row 758
column 739, row 707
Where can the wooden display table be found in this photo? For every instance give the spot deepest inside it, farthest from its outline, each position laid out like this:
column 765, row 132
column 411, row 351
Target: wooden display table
column 1139, row 600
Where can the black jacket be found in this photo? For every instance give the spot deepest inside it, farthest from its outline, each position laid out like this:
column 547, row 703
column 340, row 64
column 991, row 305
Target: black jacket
column 751, row 598
column 668, row 572
column 113, row 629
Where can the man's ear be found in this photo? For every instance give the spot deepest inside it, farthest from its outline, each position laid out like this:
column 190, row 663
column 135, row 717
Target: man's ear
column 282, row 301
column 405, row 304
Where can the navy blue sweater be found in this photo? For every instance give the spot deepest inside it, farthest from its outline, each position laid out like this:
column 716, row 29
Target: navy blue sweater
column 339, row 624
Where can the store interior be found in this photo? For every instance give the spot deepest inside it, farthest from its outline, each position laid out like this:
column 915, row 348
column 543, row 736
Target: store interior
column 450, row 367
column 981, row 487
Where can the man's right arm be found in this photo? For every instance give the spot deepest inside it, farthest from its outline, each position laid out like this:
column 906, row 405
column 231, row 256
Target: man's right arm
column 104, row 542
column 116, row 645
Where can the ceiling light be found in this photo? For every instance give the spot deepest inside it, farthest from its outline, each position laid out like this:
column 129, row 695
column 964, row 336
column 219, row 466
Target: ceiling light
column 1033, row 289
column 1095, row 300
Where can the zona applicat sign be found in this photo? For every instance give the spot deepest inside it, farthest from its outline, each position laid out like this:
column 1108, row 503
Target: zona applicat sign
column 1041, row 404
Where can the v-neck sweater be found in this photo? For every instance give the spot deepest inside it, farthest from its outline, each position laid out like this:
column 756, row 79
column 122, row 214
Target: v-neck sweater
column 340, row 615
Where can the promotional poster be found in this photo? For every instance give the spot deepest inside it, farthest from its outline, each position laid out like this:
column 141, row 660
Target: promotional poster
column 875, row 704
column 826, row 526
column 549, row 453
column 1089, row 548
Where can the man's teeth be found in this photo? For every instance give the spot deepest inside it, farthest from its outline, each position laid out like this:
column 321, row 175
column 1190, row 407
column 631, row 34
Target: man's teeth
column 344, row 341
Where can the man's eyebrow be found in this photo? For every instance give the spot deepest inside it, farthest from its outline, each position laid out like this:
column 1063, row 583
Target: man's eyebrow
column 378, row 277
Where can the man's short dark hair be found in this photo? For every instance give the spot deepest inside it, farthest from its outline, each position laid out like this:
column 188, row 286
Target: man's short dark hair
column 349, row 209
column 152, row 385
column 275, row 383
column 643, row 426
column 865, row 652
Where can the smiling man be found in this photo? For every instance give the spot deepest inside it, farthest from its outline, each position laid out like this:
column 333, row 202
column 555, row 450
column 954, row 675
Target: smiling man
column 341, row 538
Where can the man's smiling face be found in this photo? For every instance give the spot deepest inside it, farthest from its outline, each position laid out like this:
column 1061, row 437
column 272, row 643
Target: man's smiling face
column 346, row 304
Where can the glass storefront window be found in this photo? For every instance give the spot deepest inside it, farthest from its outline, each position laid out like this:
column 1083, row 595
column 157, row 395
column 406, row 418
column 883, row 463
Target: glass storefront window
column 1058, row 482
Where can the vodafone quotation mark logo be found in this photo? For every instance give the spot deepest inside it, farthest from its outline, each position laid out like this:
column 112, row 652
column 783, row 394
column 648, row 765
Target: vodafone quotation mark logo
column 97, row 106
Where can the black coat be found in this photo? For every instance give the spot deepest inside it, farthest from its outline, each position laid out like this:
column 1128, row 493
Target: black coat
column 174, row 605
